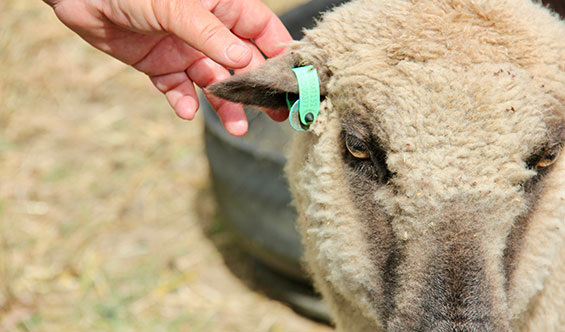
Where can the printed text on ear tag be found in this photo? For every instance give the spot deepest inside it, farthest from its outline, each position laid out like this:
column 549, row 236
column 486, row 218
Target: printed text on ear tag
column 304, row 111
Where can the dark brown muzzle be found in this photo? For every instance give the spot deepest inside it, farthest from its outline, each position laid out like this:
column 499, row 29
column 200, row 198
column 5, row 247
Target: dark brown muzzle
column 451, row 288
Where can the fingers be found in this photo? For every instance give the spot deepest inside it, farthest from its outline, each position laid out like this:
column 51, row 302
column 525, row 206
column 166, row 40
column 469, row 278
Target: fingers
column 205, row 25
column 180, row 93
column 272, row 38
column 198, row 27
column 231, row 114
column 252, row 19
column 205, row 72
column 169, row 55
column 257, row 59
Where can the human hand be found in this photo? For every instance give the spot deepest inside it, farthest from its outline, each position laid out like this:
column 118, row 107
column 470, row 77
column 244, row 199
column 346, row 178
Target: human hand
column 179, row 43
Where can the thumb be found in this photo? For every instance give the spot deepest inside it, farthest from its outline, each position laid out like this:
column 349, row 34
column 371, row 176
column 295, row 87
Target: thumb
column 199, row 28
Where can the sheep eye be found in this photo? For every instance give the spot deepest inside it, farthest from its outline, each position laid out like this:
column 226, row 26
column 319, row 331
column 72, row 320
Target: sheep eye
column 547, row 158
column 357, row 147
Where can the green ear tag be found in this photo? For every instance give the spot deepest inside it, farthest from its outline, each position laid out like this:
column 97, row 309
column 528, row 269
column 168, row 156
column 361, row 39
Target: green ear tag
column 304, row 111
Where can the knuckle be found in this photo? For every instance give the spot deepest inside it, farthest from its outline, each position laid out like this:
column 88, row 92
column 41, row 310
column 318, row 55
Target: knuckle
column 211, row 33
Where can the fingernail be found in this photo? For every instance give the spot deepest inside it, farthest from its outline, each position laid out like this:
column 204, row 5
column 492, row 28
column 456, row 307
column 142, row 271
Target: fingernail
column 238, row 53
column 237, row 128
column 186, row 108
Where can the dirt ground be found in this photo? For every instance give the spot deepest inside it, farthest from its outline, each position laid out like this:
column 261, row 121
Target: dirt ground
column 107, row 222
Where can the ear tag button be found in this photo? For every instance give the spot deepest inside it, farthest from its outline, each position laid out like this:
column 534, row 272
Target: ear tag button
column 294, row 117
column 304, row 111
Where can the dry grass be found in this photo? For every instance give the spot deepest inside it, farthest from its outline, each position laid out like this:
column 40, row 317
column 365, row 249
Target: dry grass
column 106, row 219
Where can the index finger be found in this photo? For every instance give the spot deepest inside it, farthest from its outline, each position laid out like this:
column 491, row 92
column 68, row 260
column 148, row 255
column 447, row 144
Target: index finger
column 252, row 19
column 195, row 25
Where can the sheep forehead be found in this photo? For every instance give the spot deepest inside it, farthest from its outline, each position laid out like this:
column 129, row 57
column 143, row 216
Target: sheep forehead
column 489, row 111
column 464, row 31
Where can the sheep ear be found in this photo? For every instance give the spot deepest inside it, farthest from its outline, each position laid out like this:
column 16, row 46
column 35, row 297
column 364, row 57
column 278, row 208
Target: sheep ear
column 264, row 86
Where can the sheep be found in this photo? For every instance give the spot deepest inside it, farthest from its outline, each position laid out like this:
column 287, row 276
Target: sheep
column 430, row 191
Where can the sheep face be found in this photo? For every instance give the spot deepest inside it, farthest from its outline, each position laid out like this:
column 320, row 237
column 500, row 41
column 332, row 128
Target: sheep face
column 435, row 184
column 430, row 191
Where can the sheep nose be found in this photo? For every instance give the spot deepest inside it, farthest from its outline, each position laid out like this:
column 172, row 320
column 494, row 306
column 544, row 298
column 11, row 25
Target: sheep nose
column 452, row 293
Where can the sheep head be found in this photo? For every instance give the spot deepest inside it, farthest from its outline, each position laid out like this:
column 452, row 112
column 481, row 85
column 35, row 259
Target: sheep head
column 430, row 191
